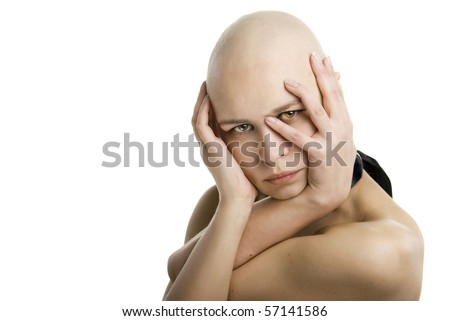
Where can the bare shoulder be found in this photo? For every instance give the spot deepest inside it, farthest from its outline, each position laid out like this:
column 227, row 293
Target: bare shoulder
column 386, row 255
column 203, row 212
column 375, row 260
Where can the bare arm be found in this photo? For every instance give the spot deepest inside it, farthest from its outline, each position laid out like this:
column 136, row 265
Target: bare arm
column 357, row 261
column 207, row 270
column 270, row 222
column 379, row 259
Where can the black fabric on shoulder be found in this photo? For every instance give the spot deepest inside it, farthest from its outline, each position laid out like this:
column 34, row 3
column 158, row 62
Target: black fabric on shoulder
column 358, row 169
column 375, row 171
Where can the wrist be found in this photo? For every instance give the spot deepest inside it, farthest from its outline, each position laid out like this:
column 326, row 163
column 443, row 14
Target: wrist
column 235, row 205
column 236, row 202
column 230, row 218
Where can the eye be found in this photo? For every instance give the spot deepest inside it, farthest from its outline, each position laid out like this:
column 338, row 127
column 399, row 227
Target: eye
column 288, row 114
column 242, row 128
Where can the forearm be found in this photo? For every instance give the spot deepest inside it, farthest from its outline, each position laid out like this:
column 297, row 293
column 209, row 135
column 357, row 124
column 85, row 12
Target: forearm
column 207, row 271
column 273, row 221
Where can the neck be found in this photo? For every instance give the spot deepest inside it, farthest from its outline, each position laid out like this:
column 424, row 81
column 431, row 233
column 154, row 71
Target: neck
column 352, row 210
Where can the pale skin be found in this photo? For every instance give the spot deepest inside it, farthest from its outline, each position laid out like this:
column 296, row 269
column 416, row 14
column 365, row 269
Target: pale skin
column 309, row 237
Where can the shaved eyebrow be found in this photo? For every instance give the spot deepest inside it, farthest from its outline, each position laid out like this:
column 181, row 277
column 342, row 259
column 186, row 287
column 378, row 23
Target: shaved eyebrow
column 233, row 122
column 279, row 110
column 275, row 111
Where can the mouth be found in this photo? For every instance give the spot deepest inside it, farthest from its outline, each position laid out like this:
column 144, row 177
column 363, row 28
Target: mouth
column 282, row 178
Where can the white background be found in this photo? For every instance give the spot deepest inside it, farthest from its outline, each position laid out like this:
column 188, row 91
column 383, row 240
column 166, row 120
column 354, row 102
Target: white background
column 81, row 241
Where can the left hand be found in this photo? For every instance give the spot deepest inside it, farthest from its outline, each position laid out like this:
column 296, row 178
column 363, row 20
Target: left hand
column 331, row 150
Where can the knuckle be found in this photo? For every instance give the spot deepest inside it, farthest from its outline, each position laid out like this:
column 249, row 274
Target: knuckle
column 296, row 137
column 335, row 92
column 326, row 75
column 319, row 111
column 300, row 91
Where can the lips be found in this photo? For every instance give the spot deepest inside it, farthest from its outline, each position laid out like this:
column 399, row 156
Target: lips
column 282, row 178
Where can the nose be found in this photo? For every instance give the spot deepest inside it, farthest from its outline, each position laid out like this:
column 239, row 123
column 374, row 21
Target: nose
column 273, row 147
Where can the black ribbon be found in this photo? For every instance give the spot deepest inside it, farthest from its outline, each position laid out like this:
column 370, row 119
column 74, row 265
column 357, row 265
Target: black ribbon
column 357, row 169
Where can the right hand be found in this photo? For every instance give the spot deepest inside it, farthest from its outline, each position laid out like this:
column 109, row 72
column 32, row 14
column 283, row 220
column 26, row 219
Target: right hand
column 231, row 181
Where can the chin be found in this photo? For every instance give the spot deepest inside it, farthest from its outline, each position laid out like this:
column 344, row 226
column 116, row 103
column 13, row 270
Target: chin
column 284, row 192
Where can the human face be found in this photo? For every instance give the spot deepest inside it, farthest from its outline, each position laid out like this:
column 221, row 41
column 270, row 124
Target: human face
column 274, row 165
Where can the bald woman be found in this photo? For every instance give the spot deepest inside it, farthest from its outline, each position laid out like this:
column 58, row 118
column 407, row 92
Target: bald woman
column 293, row 215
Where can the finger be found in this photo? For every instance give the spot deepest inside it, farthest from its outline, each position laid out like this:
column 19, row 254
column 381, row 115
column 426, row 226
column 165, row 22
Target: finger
column 316, row 111
column 312, row 147
column 288, row 132
column 337, row 75
column 200, row 97
column 213, row 121
column 332, row 97
column 204, row 131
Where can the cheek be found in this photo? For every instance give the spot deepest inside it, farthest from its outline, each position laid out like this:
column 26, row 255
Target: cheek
column 246, row 153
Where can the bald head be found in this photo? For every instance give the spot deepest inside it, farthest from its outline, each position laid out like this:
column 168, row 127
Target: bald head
column 255, row 54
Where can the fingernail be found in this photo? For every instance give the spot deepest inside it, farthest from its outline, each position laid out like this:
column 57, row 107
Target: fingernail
column 316, row 58
column 291, row 83
column 270, row 119
column 329, row 61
